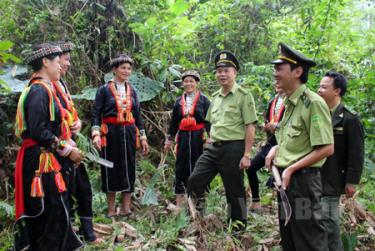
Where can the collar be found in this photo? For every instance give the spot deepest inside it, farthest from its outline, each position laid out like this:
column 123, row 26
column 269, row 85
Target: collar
column 296, row 94
column 232, row 90
column 334, row 108
column 338, row 115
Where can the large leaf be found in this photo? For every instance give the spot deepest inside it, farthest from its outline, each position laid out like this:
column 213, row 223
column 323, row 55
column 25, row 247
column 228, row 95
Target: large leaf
column 150, row 197
column 145, row 87
column 9, row 80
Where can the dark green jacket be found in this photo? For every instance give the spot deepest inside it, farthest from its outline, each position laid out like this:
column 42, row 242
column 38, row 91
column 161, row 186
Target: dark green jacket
column 346, row 164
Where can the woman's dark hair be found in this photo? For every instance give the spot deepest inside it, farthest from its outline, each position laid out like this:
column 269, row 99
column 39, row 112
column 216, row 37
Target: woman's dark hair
column 121, row 59
column 339, row 81
column 37, row 64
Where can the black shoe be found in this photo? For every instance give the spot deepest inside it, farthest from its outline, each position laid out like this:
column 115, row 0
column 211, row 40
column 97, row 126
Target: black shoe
column 87, row 229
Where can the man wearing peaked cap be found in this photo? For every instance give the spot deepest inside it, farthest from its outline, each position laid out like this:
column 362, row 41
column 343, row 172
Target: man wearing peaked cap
column 232, row 116
column 226, row 59
column 305, row 140
column 288, row 55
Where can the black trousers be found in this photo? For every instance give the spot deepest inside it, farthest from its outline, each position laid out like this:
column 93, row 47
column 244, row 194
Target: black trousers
column 189, row 148
column 81, row 195
column 305, row 230
column 222, row 158
column 256, row 164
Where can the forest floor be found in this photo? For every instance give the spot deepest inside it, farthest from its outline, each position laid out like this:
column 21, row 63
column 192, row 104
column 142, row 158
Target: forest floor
column 156, row 224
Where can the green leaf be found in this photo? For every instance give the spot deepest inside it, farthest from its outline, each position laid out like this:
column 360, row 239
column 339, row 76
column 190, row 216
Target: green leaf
column 5, row 45
column 349, row 241
column 179, row 7
column 151, row 22
column 150, row 197
column 7, row 208
column 9, row 80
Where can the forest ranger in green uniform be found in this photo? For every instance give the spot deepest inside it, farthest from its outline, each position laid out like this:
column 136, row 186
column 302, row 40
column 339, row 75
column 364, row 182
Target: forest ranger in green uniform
column 232, row 116
column 305, row 140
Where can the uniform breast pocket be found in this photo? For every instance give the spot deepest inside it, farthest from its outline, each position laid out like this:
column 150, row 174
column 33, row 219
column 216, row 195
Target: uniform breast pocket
column 232, row 113
column 295, row 139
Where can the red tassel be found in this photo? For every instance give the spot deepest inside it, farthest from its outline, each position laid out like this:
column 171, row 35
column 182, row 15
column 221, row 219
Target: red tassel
column 129, row 116
column 55, row 164
column 137, row 140
column 65, row 130
column 188, row 122
column 104, row 129
column 60, row 183
column 36, row 186
column 104, row 141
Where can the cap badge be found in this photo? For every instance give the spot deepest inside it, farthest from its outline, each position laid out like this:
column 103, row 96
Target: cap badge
column 223, row 56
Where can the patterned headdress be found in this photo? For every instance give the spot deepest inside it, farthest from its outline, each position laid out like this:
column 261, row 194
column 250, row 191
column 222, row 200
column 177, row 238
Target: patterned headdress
column 47, row 49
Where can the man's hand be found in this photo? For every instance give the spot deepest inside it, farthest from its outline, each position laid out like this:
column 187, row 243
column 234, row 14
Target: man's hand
column 97, row 141
column 270, row 157
column 270, row 127
column 286, row 177
column 349, row 190
column 207, row 142
column 76, row 127
column 145, row 147
column 245, row 162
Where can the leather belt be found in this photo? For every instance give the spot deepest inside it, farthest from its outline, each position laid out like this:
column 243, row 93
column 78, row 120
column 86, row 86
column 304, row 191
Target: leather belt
column 225, row 142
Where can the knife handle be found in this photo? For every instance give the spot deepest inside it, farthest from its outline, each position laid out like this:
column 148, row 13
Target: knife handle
column 276, row 175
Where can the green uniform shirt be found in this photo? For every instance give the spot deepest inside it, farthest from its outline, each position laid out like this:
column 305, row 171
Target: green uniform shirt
column 306, row 124
column 230, row 114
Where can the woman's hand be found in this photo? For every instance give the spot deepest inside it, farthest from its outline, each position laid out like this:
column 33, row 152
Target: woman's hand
column 145, row 147
column 76, row 127
column 97, row 142
column 75, row 156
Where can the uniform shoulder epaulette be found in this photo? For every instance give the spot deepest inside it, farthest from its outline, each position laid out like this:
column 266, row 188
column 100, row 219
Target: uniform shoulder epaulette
column 350, row 112
column 305, row 99
column 242, row 90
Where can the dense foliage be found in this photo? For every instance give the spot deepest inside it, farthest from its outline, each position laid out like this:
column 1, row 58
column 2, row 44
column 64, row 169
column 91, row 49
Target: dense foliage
column 167, row 36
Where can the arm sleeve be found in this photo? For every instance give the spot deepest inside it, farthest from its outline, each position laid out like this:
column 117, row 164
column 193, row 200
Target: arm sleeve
column 38, row 116
column 248, row 110
column 320, row 124
column 175, row 120
column 355, row 154
column 137, row 112
column 207, row 124
column 98, row 107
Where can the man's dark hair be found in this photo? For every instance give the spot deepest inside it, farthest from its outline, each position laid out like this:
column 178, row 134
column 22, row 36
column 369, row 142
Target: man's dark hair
column 305, row 75
column 339, row 81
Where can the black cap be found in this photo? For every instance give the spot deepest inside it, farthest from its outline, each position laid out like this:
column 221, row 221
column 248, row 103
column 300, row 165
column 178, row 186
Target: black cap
column 288, row 55
column 226, row 59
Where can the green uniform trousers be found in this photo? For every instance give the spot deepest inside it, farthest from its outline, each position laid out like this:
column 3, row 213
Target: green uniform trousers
column 223, row 158
column 305, row 230
column 331, row 221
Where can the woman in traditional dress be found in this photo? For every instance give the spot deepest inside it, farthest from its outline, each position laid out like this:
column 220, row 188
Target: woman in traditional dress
column 42, row 217
column 188, row 123
column 273, row 116
column 117, row 129
column 79, row 190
